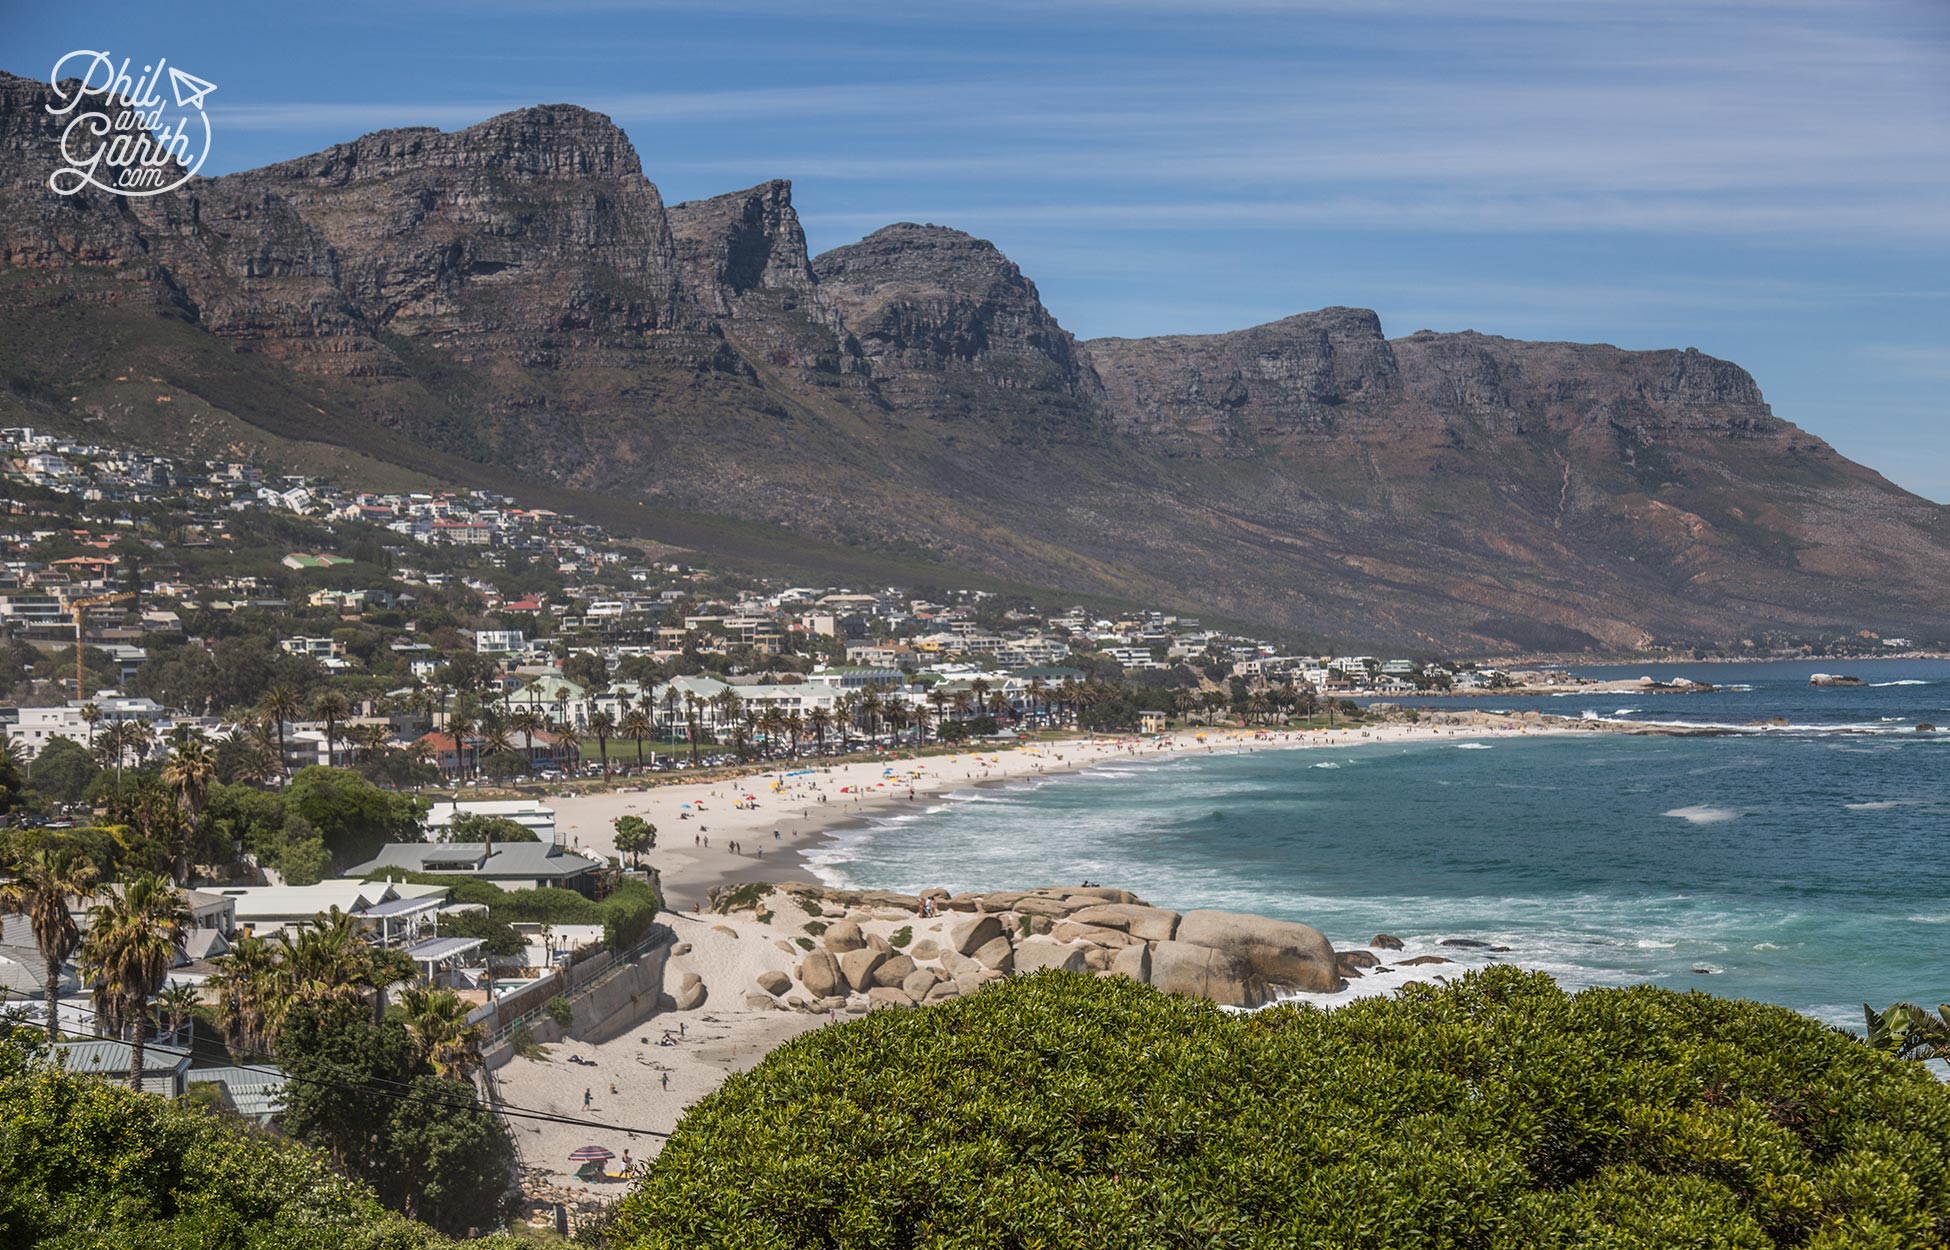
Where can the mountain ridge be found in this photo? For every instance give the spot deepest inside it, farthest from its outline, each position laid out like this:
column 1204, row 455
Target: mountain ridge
column 516, row 294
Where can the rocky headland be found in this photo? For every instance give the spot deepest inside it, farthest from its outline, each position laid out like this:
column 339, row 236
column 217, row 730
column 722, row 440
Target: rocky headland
column 854, row 950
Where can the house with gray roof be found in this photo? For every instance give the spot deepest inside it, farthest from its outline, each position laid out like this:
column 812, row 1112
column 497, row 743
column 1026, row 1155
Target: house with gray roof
column 164, row 1068
column 510, row 865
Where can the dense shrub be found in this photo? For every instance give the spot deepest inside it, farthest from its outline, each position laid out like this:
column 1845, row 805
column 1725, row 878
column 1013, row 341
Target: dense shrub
column 85, row 1162
column 1062, row 1110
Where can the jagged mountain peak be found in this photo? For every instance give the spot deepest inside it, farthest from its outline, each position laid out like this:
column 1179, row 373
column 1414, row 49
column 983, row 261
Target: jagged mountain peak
column 516, row 293
column 551, row 141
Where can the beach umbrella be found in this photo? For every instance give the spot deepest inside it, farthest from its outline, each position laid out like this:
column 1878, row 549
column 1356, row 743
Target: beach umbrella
column 591, row 1154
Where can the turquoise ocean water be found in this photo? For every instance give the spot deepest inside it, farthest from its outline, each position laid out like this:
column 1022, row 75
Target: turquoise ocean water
column 1805, row 864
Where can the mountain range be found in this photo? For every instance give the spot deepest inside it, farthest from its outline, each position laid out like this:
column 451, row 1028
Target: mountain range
column 513, row 305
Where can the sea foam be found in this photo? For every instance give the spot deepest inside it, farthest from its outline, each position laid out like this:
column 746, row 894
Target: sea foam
column 1702, row 814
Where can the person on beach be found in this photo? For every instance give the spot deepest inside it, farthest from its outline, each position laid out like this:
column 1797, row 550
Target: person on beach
column 588, row 1096
column 666, row 1080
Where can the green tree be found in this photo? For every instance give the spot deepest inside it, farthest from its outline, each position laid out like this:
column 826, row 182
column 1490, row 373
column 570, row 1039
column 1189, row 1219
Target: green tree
column 353, row 817
column 279, row 706
column 63, row 771
column 634, row 836
column 1064, row 1109
column 41, row 886
column 134, row 938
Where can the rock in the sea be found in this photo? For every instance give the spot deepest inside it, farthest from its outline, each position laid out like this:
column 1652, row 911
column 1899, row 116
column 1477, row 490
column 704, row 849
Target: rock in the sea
column 1833, row 679
column 1351, row 963
column 1153, row 924
column 1420, row 960
column 690, row 993
column 966, row 936
column 820, row 973
column 996, row 955
column 1280, row 952
column 1133, row 962
column 1464, row 943
column 772, row 981
column 858, row 966
column 894, row 971
column 1035, row 954
column 842, row 936
column 1385, row 942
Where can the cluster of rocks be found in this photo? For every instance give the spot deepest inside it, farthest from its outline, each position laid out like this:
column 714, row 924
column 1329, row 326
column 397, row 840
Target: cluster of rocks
column 1233, row 959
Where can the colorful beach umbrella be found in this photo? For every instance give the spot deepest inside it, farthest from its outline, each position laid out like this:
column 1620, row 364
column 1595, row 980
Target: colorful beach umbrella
column 591, row 1154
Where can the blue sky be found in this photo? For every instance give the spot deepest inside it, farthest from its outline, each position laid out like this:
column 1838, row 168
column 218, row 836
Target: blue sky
column 1766, row 180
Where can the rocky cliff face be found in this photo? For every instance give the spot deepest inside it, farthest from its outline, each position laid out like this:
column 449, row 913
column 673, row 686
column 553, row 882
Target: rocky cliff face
column 516, row 294
column 1229, row 394
column 941, row 316
column 743, row 260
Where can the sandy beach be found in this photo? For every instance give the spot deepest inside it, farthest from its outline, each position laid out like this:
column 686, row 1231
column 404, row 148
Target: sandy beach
column 758, row 828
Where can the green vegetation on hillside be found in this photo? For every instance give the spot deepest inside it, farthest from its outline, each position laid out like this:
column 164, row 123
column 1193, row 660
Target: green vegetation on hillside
column 87, row 1163
column 1500, row 1113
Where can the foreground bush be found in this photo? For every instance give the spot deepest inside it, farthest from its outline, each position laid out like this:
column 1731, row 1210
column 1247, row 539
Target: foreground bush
column 87, row 1163
column 1065, row 1111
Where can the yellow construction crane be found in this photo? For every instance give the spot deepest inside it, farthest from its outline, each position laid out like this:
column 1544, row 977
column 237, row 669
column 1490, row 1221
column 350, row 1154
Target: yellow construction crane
column 78, row 609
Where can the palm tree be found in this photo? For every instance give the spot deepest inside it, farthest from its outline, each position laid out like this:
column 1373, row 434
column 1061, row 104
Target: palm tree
column 331, row 707
column 569, row 740
column 871, row 706
column 672, row 701
column 637, row 727
column 845, row 709
column 771, row 722
column 252, row 761
column 795, row 728
column 252, row 993
column 998, row 707
column 460, row 726
column 189, row 773
column 142, row 739
column 42, row 884
column 1037, row 691
column 279, row 706
column 112, row 747
column 134, row 939
column 693, row 706
column 819, row 720
column 177, row 1002
column 602, row 726
column 437, row 1022
column 529, row 721
column 372, row 739
column 728, row 706
column 91, row 715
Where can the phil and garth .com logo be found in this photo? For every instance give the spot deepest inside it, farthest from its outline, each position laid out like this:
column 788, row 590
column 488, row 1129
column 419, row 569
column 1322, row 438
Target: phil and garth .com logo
column 120, row 135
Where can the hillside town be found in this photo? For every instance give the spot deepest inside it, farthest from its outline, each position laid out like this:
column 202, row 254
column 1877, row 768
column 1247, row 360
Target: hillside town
column 417, row 607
